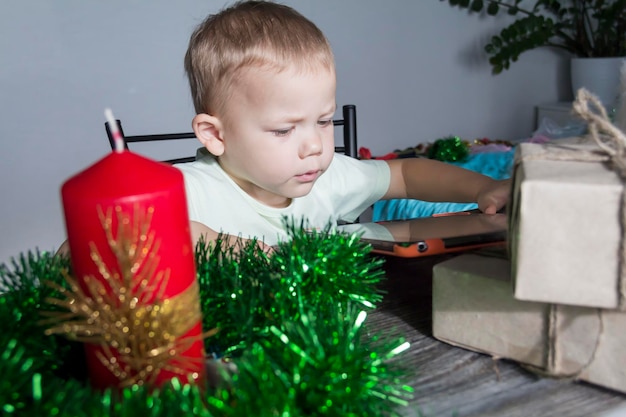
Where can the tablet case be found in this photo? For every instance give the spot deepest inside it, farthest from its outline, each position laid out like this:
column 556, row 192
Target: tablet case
column 452, row 232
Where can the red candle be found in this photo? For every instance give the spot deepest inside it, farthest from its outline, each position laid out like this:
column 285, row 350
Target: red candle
column 131, row 250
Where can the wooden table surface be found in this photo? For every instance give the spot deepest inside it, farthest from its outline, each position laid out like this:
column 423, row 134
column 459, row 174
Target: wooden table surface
column 451, row 381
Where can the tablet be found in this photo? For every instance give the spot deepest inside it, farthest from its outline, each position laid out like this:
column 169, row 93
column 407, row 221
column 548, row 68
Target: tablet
column 452, row 232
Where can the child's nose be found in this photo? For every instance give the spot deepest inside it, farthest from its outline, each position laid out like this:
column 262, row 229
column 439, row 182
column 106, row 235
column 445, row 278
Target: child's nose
column 311, row 144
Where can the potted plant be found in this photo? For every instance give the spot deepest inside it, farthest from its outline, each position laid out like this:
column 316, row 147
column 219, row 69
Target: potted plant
column 583, row 28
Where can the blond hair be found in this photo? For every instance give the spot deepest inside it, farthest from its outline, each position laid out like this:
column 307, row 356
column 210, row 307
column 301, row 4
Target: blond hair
column 250, row 34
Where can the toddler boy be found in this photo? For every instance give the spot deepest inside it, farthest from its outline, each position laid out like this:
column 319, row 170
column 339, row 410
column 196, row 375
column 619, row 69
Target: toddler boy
column 262, row 79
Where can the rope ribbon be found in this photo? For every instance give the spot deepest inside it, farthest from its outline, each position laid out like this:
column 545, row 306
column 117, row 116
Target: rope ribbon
column 611, row 149
column 552, row 359
column 612, row 144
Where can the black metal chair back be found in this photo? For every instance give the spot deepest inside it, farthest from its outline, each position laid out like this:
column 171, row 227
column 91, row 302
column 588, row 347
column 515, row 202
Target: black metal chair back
column 349, row 131
column 348, row 122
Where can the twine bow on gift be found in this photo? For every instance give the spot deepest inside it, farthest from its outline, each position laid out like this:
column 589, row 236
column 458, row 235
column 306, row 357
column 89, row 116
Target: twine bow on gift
column 611, row 150
column 613, row 142
column 608, row 137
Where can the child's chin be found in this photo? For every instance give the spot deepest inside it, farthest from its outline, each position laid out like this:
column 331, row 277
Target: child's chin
column 301, row 191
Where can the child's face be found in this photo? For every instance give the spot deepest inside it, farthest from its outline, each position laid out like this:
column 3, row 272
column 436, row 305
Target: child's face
column 278, row 135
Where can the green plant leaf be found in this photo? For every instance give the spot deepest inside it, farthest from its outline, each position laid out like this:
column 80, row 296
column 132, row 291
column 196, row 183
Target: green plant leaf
column 477, row 6
column 583, row 28
column 493, row 8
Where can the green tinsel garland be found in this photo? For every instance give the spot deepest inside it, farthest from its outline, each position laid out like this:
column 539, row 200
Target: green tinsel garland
column 450, row 149
column 293, row 323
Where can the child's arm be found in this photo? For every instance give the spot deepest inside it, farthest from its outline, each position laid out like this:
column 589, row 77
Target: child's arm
column 196, row 229
column 210, row 235
column 430, row 180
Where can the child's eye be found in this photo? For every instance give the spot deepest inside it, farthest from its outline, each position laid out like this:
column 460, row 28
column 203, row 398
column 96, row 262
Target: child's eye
column 281, row 132
column 325, row 123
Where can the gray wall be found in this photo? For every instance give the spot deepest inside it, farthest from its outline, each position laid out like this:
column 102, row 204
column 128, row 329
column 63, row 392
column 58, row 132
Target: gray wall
column 415, row 70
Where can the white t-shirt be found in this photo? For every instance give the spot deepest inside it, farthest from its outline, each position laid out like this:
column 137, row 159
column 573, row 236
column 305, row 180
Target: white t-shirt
column 343, row 192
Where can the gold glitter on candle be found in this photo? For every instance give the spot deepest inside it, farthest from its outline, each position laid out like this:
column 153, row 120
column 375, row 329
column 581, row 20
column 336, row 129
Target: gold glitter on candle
column 140, row 333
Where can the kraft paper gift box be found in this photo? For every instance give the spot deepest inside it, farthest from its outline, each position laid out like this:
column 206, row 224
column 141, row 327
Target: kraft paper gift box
column 565, row 227
column 473, row 308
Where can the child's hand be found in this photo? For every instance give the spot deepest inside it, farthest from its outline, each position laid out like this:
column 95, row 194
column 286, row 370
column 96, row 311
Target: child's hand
column 199, row 230
column 239, row 242
column 494, row 197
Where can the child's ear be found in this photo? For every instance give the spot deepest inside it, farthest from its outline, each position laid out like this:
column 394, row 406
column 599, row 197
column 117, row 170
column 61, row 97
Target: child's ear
column 208, row 130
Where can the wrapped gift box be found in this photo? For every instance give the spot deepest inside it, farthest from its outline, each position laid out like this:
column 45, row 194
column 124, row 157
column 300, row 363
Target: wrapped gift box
column 473, row 308
column 564, row 226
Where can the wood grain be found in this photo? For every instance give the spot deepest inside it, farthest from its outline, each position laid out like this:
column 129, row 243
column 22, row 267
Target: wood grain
column 451, row 381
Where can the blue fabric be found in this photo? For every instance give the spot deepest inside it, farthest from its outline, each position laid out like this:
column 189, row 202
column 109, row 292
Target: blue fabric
column 497, row 165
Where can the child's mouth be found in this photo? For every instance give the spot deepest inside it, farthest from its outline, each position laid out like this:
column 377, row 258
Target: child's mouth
column 308, row 176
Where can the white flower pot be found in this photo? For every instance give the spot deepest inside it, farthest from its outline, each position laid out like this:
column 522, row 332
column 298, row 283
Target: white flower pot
column 600, row 76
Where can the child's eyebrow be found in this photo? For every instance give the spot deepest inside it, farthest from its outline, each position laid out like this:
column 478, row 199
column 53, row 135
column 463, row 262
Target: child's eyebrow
column 289, row 118
column 332, row 108
column 295, row 118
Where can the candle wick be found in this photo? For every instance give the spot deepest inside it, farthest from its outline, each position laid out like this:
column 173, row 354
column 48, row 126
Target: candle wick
column 115, row 131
